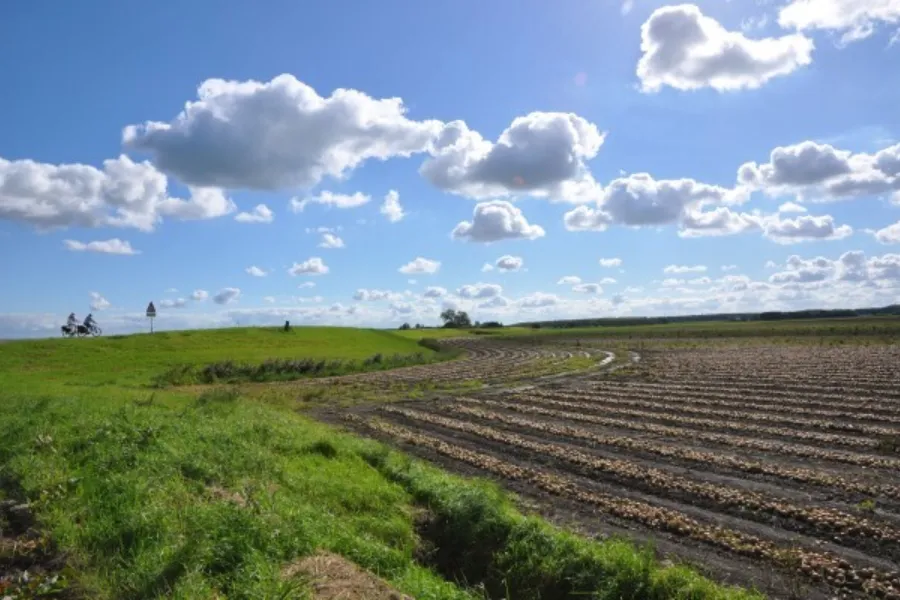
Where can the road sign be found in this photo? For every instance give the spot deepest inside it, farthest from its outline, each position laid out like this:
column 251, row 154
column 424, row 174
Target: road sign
column 151, row 312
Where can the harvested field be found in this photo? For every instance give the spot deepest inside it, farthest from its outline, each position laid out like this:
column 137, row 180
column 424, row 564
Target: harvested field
column 774, row 466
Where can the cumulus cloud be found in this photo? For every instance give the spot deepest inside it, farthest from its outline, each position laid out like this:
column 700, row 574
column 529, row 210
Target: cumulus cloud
column 853, row 19
column 718, row 222
column 569, row 280
column 227, row 295
column 538, row 300
column 821, row 172
column 199, row 295
column 420, row 265
column 508, row 263
column 277, row 134
column 330, row 200
column 541, row 154
column 365, row 295
column 435, row 292
column 98, row 302
column 684, row 49
column 123, row 193
column 610, row 262
column 639, row 200
column 113, row 246
column 607, row 281
column 329, row 240
column 260, row 214
column 805, row 228
column 173, row 303
column 391, row 208
column 479, row 290
column 487, row 267
column 587, row 288
column 494, row 221
column 673, row 269
column 312, row 266
column 852, row 266
column 889, row 234
column 791, row 207
column 255, row 271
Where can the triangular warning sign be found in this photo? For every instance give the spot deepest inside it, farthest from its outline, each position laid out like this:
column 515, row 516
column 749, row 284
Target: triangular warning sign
column 151, row 310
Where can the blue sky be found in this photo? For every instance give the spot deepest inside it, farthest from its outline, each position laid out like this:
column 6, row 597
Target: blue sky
column 755, row 142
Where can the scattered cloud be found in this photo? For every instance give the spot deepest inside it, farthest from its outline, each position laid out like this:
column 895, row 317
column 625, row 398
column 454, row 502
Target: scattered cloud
column 364, row 295
column 173, row 303
column 588, row 288
column 889, row 234
column 422, row 266
column 853, row 19
column 435, row 292
column 277, row 134
column 727, row 268
column 487, row 267
column 329, row 240
column 538, row 300
column 684, row 49
column 255, row 271
column 479, row 290
column 307, row 284
column 509, row 263
column 495, row 221
column 391, row 207
column 541, row 154
column 610, row 262
column 199, row 295
column 805, row 228
column 227, row 295
column 260, row 214
column 312, row 266
column 331, row 200
column 569, row 280
column 678, row 269
column 98, row 302
column 791, row 207
column 608, row 281
column 113, row 246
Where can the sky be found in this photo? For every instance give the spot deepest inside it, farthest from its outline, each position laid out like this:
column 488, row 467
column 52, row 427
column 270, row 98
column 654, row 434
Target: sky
column 370, row 164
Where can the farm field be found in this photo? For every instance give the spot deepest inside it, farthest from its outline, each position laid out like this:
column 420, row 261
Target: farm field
column 774, row 466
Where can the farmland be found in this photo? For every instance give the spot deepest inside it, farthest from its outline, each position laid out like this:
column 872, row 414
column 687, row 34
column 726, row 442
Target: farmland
column 774, row 465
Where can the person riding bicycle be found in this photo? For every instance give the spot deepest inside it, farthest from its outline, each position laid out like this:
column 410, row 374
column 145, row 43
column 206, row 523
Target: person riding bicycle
column 89, row 321
column 72, row 322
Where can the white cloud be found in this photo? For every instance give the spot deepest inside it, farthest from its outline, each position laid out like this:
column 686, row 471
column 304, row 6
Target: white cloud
column 640, row 200
column 686, row 50
column 98, row 302
column 307, row 284
column 508, row 263
column 889, row 234
column 569, row 280
column 538, row 300
column 607, row 281
column 365, row 295
column 487, row 267
column 113, row 246
column 227, row 295
column 791, row 207
column 854, row 19
column 699, row 281
column 435, row 292
column 610, row 262
column 255, row 271
column 312, row 266
column 331, row 199
column 851, row 267
column 804, row 228
column 123, row 193
column 199, row 295
column 587, row 288
column 673, row 269
column 540, row 154
column 717, row 222
column 821, row 172
column 391, row 207
column 479, row 290
column 494, row 221
column 420, row 266
column 277, row 134
column 173, row 303
column 269, row 299
column 260, row 214
column 329, row 240
column 727, row 268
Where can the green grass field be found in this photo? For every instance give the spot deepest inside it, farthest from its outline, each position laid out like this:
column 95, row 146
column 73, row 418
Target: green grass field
column 166, row 494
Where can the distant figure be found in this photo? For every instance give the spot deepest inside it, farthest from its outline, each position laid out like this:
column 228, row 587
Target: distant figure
column 72, row 323
column 89, row 321
column 287, row 325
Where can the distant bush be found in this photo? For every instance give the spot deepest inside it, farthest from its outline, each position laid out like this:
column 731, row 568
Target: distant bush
column 431, row 344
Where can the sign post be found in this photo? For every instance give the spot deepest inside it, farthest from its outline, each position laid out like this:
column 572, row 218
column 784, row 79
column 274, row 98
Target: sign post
column 151, row 313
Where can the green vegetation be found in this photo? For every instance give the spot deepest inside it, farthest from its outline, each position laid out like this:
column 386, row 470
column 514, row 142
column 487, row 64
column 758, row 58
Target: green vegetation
column 165, row 493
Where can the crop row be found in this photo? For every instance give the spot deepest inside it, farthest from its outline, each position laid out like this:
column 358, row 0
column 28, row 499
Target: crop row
column 664, row 484
column 730, row 461
column 658, row 403
column 737, row 426
column 853, row 458
column 738, row 399
column 818, row 566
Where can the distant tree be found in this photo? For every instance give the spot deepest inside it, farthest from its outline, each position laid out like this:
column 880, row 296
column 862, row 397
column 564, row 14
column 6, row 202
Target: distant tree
column 405, row 326
column 419, row 326
column 456, row 319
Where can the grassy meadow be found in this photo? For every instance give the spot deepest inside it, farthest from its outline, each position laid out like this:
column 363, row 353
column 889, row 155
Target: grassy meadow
column 169, row 493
